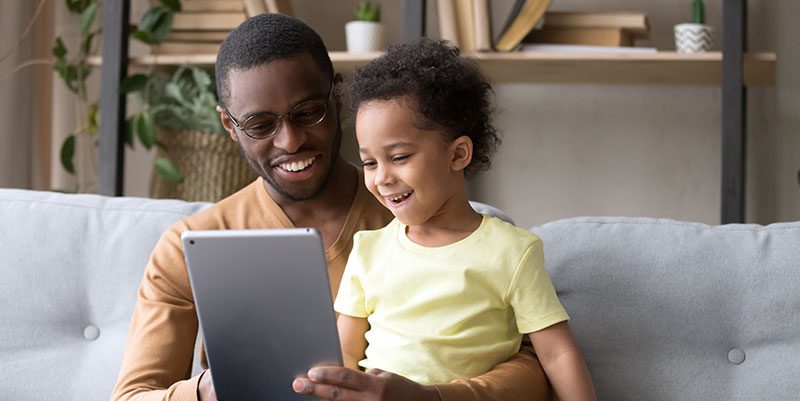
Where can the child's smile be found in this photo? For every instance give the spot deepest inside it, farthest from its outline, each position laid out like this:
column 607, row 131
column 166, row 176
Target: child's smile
column 398, row 200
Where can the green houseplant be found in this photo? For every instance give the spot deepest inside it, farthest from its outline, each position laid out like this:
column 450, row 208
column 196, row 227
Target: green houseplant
column 368, row 11
column 73, row 68
column 365, row 34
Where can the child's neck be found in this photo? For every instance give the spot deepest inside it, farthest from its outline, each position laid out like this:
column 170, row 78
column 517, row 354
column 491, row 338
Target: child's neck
column 456, row 221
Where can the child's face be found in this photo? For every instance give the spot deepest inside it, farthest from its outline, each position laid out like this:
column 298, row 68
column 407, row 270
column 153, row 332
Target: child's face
column 409, row 169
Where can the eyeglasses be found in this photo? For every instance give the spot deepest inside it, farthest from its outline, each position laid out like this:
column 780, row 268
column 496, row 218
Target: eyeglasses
column 265, row 124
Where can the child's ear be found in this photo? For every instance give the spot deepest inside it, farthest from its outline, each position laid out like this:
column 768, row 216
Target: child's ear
column 226, row 123
column 461, row 150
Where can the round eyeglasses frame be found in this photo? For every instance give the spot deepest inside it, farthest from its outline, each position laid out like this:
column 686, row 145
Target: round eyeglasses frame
column 290, row 115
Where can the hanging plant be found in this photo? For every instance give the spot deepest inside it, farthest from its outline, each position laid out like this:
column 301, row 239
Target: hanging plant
column 153, row 27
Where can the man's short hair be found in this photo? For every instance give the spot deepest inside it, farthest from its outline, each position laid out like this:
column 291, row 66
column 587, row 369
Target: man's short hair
column 264, row 38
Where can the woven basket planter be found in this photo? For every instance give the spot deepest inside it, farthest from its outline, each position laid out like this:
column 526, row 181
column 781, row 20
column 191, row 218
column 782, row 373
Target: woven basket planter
column 210, row 163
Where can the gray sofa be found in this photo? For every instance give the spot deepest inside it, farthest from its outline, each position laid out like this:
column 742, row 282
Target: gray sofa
column 663, row 310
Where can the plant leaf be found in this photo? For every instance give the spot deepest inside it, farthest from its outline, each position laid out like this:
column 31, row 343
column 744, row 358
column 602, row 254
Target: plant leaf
column 130, row 128
column 59, row 50
column 86, row 46
column 150, row 18
column 162, row 27
column 174, row 5
column 93, row 119
column 87, row 19
column 201, row 78
column 173, row 90
column 68, row 154
column 167, row 170
column 78, row 6
column 146, row 129
column 69, row 73
column 133, row 83
column 142, row 36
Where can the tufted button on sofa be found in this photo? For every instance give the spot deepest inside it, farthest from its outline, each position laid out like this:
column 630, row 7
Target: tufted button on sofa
column 70, row 266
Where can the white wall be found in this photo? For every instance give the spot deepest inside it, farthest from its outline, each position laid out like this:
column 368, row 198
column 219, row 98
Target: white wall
column 627, row 150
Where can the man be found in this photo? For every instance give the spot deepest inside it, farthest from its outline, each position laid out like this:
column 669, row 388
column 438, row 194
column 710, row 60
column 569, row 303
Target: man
column 276, row 89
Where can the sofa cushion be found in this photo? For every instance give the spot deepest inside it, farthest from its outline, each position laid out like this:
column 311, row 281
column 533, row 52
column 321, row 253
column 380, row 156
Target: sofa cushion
column 665, row 310
column 71, row 266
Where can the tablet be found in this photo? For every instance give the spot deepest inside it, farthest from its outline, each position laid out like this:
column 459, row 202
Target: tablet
column 265, row 309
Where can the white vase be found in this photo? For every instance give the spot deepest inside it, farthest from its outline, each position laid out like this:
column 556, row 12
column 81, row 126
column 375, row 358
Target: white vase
column 364, row 36
column 693, row 38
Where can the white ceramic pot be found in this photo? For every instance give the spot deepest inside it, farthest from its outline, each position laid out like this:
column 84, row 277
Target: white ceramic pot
column 364, row 36
column 693, row 38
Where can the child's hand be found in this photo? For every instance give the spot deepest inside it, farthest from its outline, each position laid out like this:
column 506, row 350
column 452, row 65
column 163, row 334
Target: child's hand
column 343, row 384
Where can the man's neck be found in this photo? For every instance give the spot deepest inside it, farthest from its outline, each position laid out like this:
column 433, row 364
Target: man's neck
column 332, row 203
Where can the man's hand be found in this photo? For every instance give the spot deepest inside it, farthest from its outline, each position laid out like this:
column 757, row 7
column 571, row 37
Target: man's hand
column 338, row 383
column 205, row 389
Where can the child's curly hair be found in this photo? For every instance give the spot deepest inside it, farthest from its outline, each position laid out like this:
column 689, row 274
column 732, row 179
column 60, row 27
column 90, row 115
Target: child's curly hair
column 450, row 91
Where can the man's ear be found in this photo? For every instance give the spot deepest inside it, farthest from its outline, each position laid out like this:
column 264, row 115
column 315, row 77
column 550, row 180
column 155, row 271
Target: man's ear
column 461, row 151
column 226, row 123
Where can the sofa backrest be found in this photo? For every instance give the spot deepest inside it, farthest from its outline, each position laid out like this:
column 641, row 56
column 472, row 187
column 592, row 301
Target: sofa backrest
column 70, row 266
column 665, row 310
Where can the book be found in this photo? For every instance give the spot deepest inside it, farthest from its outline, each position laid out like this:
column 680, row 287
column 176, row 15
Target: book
column 254, row 7
column 636, row 23
column 169, row 47
column 211, row 5
column 546, row 48
column 448, row 22
column 483, row 26
column 279, row 6
column 207, row 21
column 530, row 14
column 466, row 24
column 581, row 36
column 197, row 36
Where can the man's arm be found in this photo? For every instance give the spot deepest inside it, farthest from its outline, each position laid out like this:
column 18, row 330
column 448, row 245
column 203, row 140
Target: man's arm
column 158, row 356
column 519, row 378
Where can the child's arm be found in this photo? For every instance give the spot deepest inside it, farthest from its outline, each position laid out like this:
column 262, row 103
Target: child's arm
column 351, row 339
column 562, row 362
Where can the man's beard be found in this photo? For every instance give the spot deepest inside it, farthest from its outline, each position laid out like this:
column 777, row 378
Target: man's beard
column 299, row 195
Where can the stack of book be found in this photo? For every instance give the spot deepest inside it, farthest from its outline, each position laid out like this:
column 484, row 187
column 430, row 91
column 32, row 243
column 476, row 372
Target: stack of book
column 466, row 23
column 202, row 25
column 618, row 29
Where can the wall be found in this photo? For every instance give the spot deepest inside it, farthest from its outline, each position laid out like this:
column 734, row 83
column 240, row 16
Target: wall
column 25, row 81
column 626, row 150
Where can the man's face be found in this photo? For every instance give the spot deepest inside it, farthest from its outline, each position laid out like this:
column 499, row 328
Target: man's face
column 295, row 161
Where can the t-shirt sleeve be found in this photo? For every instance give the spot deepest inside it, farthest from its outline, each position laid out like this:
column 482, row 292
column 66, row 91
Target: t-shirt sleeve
column 532, row 295
column 350, row 300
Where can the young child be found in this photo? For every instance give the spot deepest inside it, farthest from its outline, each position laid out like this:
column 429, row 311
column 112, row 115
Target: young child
column 442, row 292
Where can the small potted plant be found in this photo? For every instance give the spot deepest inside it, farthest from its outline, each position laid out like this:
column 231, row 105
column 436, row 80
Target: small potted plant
column 696, row 36
column 365, row 34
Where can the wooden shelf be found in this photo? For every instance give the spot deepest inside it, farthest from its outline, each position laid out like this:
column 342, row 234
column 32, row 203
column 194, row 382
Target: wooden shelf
column 572, row 68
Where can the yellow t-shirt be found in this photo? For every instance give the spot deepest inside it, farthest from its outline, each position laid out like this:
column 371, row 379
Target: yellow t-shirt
column 450, row 312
